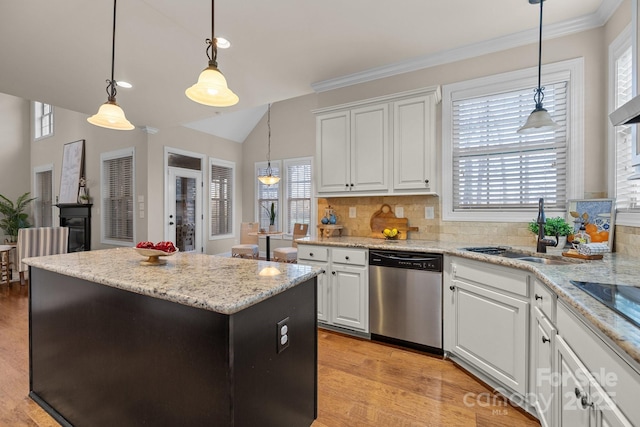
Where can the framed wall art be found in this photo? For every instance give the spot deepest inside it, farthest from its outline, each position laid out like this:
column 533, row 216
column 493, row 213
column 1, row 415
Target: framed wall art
column 72, row 170
column 598, row 215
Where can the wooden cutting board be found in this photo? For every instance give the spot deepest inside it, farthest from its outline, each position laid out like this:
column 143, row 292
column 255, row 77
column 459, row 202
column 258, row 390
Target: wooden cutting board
column 385, row 218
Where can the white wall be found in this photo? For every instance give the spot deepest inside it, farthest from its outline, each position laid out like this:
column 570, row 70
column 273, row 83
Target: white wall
column 15, row 178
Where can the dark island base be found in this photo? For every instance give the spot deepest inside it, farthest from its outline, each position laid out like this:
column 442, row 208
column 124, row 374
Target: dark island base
column 101, row 356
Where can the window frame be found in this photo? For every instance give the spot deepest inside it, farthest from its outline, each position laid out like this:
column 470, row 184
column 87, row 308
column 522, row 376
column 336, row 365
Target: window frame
column 571, row 70
column 36, row 171
column 286, row 196
column 38, row 120
column 232, row 166
column 275, row 164
column 111, row 155
column 620, row 44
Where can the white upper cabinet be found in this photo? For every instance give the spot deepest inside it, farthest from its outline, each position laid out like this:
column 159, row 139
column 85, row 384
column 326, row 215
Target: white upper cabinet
column 378, row 146
column 414, row 143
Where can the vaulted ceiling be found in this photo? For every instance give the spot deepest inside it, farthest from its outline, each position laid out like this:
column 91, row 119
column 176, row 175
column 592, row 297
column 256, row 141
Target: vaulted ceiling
column 59, row 52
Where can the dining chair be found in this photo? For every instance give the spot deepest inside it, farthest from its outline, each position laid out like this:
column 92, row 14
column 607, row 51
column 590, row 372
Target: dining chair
column 40, row 241
column 290, row 253
column 248, row 247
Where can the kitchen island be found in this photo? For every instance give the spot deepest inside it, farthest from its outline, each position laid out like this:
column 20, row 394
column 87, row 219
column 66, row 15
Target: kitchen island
column 200, row 340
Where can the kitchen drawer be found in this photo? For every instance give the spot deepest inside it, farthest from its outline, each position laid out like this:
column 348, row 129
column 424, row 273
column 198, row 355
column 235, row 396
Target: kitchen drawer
column 313, row 253
column 502, row 278
column 349, row 256
column 545, row 300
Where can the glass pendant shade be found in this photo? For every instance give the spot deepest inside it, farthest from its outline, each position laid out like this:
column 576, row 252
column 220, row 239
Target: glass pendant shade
column 539, row 121
column 212, row 89
column 269, row 179
column 110, row 116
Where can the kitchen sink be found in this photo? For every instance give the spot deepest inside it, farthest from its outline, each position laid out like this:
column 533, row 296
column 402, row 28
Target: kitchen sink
column 506, row 252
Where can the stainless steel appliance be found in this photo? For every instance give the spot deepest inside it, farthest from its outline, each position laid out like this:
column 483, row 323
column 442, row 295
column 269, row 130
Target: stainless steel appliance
column 405, row 298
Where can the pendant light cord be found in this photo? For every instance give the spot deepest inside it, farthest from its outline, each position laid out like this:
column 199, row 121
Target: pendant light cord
column 111, row 88
column 269, row 139
column 539, row 96
column 212, row 43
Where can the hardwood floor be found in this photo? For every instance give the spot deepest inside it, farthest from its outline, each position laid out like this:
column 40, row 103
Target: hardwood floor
column 361, row 383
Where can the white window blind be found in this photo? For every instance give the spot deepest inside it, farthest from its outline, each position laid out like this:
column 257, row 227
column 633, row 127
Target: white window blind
column 44, row 198
column 627, row 191
column 267, row 194
column 496, row 168
column 43, row 120
column 117, row 198
column 298, row 193
column 221, row 198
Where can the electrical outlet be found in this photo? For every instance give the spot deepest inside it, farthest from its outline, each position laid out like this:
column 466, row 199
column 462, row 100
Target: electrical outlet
column 282, row 335
column 399, row 212
column 352, row 212
column 428, row 212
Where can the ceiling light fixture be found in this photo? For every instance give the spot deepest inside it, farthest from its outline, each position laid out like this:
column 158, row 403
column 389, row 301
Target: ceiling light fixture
column 212, row 88
column 539, row 120
column 269, row 178
column 110, row 115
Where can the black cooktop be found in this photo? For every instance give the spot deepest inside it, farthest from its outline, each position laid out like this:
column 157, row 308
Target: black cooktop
column 624, row 300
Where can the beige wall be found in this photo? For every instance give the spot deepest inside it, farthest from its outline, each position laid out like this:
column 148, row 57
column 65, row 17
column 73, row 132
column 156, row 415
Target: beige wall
column 15, row 175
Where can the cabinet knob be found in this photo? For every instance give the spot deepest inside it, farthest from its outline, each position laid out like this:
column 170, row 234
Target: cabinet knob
column 346, row 258
column 426, row 181
column 310, row 253
column 453, row 288
column 351, row 184
column 584, row 401
column 538, row 297
column 170, row 222
column 333, row 272
column 545, row 340
column 346, row 185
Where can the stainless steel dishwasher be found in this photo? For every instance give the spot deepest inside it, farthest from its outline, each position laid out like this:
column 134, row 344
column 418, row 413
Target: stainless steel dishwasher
column 405, row 298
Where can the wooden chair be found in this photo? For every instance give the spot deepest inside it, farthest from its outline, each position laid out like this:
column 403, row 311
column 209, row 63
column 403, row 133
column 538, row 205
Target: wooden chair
column 41, row 241
column 290, row 254
column 248, row 247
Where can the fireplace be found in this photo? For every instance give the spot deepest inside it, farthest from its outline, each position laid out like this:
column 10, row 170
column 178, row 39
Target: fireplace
column 78, row 218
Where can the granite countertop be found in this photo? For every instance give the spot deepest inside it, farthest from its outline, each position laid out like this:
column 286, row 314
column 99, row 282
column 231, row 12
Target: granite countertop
column 220, row 284
column 613, row 268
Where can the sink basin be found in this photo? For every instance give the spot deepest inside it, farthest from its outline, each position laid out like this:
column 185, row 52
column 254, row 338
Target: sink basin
column 506, row 252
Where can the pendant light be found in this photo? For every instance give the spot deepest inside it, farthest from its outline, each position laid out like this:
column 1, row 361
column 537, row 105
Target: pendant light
column 269, row 178
column 539, row 120
column 211, row 88
column 110, row 115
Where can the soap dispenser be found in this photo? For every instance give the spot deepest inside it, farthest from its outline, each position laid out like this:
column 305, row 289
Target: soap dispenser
column 582, row 237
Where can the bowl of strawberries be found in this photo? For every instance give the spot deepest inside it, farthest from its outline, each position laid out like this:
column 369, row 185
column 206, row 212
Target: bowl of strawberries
column 154, row 251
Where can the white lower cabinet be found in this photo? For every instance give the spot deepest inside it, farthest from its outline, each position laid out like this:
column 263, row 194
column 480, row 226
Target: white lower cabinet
column 486, row 309
column 343, row 290
column 543, row 367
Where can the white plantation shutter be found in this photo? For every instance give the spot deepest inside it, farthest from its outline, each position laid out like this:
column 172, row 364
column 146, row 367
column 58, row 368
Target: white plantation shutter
column 298, row 191
column 117, row 197
column 221, row 197
column 44, row 198
column 494, row 167
column 627, row 191
column 268, row 194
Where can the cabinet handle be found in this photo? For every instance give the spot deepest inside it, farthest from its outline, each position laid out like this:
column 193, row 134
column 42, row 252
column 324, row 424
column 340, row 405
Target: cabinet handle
column 584, row 401
column 333, row 272
column 347, row 258
column 323, row 272
column 352, row 184
column 426, row 181
column 453, row 288
column 538, row 297
column 310, row 253
column 346, row 185
column 170, row 222
column 546, row 340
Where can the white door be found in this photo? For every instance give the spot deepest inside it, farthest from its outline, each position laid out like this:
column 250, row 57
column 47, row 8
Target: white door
column 184, row 214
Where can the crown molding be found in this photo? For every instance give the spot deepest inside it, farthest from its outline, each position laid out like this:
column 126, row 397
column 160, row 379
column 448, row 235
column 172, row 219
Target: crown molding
column 560, row 29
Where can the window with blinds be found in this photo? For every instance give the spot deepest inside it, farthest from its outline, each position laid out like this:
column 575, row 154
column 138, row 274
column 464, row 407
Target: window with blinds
column 627, row 190
column 117, row 197
column 496, row 168
column 298, row 193
column 221, row 198
column 43, row 114
column 43, row 212
column 267, row 194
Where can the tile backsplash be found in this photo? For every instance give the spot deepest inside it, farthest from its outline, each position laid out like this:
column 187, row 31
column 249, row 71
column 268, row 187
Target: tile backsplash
column 627, row 239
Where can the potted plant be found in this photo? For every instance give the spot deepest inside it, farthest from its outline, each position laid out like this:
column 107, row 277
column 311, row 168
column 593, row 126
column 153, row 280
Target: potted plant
column 14, row 215
column 272, row 216
column 554, row 227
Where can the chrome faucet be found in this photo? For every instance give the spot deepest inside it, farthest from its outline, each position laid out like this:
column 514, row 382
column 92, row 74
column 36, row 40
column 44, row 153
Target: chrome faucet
column 542, row 242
